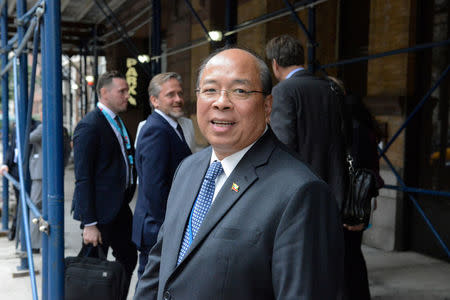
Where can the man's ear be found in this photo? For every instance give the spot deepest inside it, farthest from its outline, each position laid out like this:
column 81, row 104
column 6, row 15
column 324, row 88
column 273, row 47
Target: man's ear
column 154, row 101
column 274, row 65
column 103, row 92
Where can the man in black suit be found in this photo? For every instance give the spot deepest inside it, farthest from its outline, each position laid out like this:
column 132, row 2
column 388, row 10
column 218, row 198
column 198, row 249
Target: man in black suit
column 245, row 218
column 105, row 175
column 161, row 147
column 306, row 114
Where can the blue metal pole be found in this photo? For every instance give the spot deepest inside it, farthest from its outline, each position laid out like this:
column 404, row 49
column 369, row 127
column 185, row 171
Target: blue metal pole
column 311, row 38
column 71, row 97
column 32, row 206
column 95, row 71
column 29, row 111
column 416, row 109
column 300, row 23
column 21, row 7
column 5, row 125
column 114, row 21
column 55, row 188
column 188, row 3
column 29, row 14
column 25, row 241
column 416, row 190
column 416, row 204
column 230, row 20
column 44, row 168
column 387, row 53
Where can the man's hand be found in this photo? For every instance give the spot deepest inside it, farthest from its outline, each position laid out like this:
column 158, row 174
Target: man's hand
column 91, row 235
column 4, row 168
column 358, row 227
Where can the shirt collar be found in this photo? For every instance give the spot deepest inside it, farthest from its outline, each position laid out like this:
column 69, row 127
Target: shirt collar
column 106, row 109
column 294, row 71
column 171, row 121
column 230, row 162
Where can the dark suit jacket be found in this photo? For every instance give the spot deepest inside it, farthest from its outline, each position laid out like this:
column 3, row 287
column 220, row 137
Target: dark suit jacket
column 100, row 171
column 306, row 117
column 278, row 237
column 158, row 154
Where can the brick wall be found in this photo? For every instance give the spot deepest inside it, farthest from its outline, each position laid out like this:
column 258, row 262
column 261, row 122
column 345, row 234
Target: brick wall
column 390, row 29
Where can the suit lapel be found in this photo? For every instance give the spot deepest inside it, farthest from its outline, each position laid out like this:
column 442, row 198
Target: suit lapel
column 172, row 131
column 107, row 129
column 244, row 175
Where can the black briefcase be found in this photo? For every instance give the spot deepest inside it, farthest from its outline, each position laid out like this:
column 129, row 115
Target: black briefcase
column 94, row 278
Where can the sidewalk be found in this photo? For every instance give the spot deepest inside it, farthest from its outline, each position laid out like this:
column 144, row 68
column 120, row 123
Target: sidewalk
column 392, row 275
column 20, row 288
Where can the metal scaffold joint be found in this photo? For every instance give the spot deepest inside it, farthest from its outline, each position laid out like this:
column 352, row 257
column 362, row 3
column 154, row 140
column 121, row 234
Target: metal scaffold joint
column 40, row 10
column 43, row 226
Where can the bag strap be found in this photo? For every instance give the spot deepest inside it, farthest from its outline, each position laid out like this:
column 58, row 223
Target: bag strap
column 86, row 251
column 346, row 124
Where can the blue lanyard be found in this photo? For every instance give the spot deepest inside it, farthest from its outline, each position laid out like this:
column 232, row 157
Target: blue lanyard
column 123, row 133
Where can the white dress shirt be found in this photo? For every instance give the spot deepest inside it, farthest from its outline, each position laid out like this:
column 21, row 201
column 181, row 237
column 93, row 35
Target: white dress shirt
column 171, row 121
column 293, row 72
column 228, row 165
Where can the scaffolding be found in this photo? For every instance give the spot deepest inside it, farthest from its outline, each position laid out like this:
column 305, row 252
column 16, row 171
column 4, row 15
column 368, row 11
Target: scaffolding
column 43, row 19
column 42, row 25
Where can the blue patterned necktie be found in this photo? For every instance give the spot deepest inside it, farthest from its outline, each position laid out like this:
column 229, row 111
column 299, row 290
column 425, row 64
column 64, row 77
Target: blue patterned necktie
column 201, row 207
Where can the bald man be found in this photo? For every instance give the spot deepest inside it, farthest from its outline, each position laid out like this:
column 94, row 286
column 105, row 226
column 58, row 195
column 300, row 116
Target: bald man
column 245, row 218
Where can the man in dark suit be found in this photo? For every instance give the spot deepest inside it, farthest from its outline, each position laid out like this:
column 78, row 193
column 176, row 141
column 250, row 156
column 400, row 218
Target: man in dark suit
column 105, row 175
column 306, row 114
column 161, row 148
column 259, row 224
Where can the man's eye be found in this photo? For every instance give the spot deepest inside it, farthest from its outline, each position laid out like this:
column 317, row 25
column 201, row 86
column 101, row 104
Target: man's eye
column 209, row 91
column 239, row 92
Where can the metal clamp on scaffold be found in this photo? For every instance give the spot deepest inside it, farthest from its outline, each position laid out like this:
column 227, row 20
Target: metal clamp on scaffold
column 43, row 225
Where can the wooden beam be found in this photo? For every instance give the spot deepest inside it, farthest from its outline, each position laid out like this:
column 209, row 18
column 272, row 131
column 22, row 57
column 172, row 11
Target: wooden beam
column 85, row 10
column 64, row 4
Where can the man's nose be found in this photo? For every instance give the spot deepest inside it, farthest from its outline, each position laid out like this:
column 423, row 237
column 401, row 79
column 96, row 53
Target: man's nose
column 179, row 98
column 223, row 101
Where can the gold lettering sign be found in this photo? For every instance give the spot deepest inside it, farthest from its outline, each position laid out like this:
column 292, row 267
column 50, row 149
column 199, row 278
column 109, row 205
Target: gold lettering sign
column 132, row 79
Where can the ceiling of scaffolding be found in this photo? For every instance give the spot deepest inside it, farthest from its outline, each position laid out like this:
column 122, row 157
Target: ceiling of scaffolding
column 80, row 18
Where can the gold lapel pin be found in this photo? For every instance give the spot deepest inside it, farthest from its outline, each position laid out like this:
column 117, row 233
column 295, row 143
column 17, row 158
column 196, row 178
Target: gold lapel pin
column 235, row 187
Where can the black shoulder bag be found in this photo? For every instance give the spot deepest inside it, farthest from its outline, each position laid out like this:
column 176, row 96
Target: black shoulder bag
column 360, row 191
column 362, row 185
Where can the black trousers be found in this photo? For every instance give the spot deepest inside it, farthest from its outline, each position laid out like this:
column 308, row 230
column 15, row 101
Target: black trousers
column 117, row 235
column 356, row 281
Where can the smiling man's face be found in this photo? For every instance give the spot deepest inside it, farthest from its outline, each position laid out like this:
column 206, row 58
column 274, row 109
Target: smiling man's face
column 170, row 99
column 230, row 125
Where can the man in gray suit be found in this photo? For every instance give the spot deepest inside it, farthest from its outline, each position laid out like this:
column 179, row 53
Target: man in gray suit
column 35, row 166
column 245, row 218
